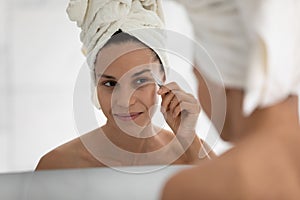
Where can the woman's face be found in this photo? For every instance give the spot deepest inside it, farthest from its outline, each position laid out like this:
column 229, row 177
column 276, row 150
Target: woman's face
column 126, row 88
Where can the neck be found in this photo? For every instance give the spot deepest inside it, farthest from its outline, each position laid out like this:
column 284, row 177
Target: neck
column 134, row 140
column 278, row 121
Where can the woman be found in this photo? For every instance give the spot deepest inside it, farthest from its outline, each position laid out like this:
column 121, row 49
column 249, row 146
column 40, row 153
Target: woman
column 128, row 76
column 262, row 118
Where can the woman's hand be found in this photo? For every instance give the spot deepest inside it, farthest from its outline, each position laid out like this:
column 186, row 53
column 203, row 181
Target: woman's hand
column 180, row 109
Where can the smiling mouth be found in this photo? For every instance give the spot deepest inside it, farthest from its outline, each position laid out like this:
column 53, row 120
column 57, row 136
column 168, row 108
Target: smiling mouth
column 128, row 117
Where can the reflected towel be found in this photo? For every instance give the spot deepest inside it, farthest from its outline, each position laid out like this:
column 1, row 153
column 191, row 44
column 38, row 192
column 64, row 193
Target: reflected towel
column 100, row 19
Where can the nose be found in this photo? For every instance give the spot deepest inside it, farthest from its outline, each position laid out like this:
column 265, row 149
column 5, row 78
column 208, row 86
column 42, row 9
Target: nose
column 124, row 97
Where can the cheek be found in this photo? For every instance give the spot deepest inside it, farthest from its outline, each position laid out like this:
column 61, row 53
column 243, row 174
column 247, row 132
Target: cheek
column 203, row 94
column 104, row 99
column 212, row 96
column 147, row 95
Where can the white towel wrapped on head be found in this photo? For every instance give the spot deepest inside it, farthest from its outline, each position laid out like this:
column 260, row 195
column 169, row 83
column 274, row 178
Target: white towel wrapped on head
column 255, row 44
column 100, row 19
column 273, row 29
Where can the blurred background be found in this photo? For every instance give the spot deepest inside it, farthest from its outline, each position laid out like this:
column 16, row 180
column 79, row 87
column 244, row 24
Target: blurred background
column 40, row 58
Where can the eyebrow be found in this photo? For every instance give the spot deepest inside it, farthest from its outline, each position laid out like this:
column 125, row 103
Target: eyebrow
column 106, row 76
column 141, row 72
column 134, row 75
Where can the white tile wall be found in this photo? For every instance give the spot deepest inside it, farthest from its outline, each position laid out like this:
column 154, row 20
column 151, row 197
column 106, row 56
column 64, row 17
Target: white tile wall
column 4, row 167
column 3, row 4
column 3, row 91
column 43, row 120
column 3, row 95
column 43, row 59
column 47, row 51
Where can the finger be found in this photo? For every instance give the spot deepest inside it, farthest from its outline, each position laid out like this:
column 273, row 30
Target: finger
column 188, row 107
column 168, row 87
column 171, row 100
column 186, row 97
column 178, row 97
column 166, row 99
column 174, row 102
column 177, row 111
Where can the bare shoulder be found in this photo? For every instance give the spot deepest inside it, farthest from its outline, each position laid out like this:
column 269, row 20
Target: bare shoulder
column 72, row 154
column 215, row 179
column 60, row 157
column 235, row 175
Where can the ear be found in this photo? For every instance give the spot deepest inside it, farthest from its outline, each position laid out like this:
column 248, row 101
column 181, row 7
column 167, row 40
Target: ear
column 95, row 99
column 164, row 78
column 163, row 74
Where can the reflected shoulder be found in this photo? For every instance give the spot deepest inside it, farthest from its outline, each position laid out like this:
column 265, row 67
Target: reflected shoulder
column 72, row 154
column 59, row 157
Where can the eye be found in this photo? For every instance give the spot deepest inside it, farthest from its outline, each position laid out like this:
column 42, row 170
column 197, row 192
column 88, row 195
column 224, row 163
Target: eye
column 109, row 83
column 140, row 81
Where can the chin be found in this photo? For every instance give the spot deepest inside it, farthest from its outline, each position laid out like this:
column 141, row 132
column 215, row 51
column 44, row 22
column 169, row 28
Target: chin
column 141, row 120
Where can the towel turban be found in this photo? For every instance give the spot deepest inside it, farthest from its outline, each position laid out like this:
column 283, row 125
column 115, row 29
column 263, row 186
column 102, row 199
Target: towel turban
column 100, row 19
column 255, row 45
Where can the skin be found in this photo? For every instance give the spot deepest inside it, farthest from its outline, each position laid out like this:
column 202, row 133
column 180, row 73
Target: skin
column 127, row 94
column 264, row 164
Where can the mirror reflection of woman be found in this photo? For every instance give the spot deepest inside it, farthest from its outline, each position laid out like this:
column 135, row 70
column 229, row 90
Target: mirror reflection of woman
column 128, row 76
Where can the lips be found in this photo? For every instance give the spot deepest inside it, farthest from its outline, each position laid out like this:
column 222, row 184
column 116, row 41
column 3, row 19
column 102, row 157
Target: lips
column 128, row 117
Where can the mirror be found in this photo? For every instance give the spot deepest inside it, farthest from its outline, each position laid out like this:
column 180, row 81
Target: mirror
column 40, row 52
